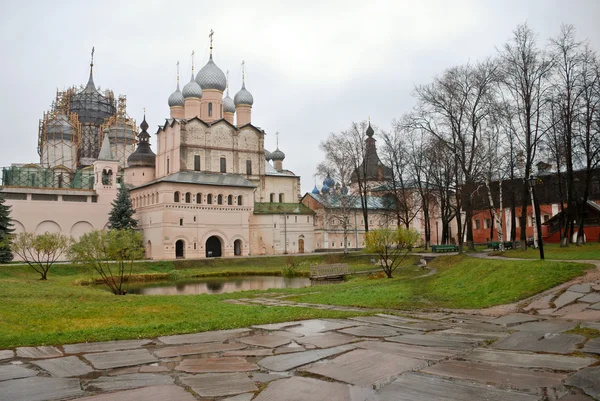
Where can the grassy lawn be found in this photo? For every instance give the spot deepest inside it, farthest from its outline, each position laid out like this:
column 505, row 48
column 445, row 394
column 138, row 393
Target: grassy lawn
column 59, row 311
column 590, row 251
column 461, row 282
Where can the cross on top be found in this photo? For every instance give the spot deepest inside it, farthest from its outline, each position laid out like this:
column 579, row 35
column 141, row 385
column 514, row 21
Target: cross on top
column 210, row 35
column 277, row 138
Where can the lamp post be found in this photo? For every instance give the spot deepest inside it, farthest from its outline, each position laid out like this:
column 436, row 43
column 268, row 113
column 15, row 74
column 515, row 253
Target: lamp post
column 538, row 223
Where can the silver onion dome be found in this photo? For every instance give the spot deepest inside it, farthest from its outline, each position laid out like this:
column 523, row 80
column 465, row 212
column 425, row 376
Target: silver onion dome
column 277, row 155
column 176, row 98
column 192, row 89
column 243, row 97
column 59, row 128
column 267, row 155
column 228, row 105
column 211, row 77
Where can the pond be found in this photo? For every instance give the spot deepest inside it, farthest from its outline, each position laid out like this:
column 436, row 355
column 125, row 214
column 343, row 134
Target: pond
column 217, row 285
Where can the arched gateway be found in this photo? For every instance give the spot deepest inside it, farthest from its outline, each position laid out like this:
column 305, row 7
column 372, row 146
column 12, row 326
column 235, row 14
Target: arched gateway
column 213, row 247
column 179, row 249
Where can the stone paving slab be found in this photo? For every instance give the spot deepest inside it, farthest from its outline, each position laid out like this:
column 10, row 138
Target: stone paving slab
column 547, row 326
column 216, row 365
column 582, row 288
column 393, row 321
column 411, row 351
column 327, row 340
column 420, row 387
column 529, row 360
column 205, row 348
column 281, row 363
column 567, row 297
column 69, row 366
column 374, row 331
column 365, row 368
column 589, row 314
column 588, row 380
column 220, row 384
column 127, row 382
column 266, row 340
column 542, row 303
column 476, row 335
column 119, row 359
column 104, row 346
column 206, row 337
column 266, row 377
column 250, row 352
column 314, row 326
column 428, row 340
column 536, row 342
column 39, row 389
column 592, row 298
column 9, row 372
column 308, row 389
column 277, row 326
column 592, row 347
column 590, row 325
column 153, row 369
column 571, row 309
column 6, row 354
column 513, row 319
column 241, row 397
column 152, row 393
column 576, row 397
column 511, row 377
column 38, row 352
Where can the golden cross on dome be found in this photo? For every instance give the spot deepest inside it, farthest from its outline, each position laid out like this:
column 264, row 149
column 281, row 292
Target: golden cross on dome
column 243, row 76
column 177, row 73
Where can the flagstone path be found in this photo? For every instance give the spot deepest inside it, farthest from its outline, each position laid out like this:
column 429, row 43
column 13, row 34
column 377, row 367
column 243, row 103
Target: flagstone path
column 420, row 357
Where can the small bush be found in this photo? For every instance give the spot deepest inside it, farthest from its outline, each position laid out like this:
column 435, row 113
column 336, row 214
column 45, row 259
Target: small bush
column 332, row 259
column 291, row 267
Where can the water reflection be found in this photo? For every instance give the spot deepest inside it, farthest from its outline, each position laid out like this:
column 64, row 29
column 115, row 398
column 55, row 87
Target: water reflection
column 219, row 285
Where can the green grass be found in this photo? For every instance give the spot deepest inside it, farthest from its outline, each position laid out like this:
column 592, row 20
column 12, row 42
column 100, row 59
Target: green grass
column 585, row 331
column 59, row 311
column 461, row 282
column 589, row 251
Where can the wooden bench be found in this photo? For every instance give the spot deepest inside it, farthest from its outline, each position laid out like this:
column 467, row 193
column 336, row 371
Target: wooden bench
column 495, row 245
column 324, row 272
column 444, row 248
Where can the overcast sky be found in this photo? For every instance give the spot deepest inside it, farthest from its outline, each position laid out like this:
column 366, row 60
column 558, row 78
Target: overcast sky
column 313, row 67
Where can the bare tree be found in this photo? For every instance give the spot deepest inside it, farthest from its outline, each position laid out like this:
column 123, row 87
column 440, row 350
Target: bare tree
column 525, row 71
column 41, row 251
column 453, row 108
column 398, row 188
column 441, row 163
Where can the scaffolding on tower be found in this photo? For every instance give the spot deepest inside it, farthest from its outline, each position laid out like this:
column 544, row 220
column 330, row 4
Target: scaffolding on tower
column 121, row 131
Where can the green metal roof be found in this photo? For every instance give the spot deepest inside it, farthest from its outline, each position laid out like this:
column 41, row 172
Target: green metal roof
column 281, row 208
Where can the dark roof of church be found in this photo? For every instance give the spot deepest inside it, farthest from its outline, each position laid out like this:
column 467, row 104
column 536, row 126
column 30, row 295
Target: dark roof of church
column 204, row 178
column 372, row 167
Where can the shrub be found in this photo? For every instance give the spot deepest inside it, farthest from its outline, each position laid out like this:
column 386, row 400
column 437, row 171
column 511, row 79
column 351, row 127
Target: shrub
column 291, row 267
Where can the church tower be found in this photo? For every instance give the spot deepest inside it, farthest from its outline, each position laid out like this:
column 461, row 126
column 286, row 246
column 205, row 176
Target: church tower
column 243, row 101
column 213, row 83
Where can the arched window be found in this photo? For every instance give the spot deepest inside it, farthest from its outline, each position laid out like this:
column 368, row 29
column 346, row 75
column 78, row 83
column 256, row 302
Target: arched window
column 220, row 199
column 240, row 200
column 209, row 199
column 223, row 165
column 272, row 198
column 176, row 197
column 106, row 177
column 168, row 166
column 210, row 109
column 188, row 197
column 198, row 198
column 230, row 200
column 281, row 198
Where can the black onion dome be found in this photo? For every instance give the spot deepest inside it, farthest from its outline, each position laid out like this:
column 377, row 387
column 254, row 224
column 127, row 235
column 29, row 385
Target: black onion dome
column 370, row 131
column 143, row 155
column 90, row 105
